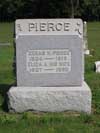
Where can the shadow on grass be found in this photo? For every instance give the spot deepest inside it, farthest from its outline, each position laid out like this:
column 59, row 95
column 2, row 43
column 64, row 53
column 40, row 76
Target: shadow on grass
column 4, row 88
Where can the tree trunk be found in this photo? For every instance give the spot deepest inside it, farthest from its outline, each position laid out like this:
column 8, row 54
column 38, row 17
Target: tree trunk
column 72, row 9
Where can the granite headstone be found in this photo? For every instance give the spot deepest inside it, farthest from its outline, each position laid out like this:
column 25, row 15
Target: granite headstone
column 43, row 52
column 50, row 67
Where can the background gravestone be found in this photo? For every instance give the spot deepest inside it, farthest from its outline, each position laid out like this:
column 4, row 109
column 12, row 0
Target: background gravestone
column 50, row 67
column 86, row 50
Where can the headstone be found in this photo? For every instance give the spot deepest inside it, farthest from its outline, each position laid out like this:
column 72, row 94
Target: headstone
column 97, row 66
column 86, row 50
column 50, row 67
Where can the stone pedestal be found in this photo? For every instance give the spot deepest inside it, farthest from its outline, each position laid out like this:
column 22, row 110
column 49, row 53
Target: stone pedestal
column 50, row 99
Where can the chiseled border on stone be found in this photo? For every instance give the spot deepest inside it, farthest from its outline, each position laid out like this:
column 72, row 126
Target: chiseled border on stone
column 50, row 99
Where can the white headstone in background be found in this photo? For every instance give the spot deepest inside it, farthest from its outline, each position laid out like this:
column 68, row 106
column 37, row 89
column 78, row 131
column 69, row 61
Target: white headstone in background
column 97, row 66
column 85, row 39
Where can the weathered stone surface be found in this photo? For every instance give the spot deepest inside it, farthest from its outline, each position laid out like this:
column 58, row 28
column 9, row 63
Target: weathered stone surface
column 50, row 67
column 50, row 99
column 49, row 27
column 27, row 45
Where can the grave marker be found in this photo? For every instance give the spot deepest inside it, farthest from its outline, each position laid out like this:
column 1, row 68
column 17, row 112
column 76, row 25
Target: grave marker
column 50, row 67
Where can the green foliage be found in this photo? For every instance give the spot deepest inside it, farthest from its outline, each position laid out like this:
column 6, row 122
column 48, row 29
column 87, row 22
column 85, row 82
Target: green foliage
column 7, row 119
column 87, row 119
column 14, row 9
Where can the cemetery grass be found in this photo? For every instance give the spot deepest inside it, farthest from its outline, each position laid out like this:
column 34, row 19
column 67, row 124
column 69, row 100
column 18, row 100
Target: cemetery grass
column 66, row 122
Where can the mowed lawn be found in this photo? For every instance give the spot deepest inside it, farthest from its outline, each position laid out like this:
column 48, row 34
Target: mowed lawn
column 65, row 122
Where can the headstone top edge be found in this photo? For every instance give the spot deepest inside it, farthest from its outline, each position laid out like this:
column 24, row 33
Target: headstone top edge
column 68, row 19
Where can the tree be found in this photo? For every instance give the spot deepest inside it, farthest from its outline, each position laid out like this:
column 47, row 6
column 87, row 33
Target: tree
column 85, row 9
column 74, row 7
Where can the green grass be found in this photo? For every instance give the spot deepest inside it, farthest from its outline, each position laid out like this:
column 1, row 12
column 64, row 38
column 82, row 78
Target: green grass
column 66, row 122
column 6, row 32
column 47, row 123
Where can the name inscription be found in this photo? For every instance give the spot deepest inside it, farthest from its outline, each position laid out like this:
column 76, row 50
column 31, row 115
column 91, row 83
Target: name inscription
column 49, row 27
column 48, row 61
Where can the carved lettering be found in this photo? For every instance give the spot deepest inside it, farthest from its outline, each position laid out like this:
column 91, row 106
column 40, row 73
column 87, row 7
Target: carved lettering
column 32, row 26
column 42, row 26
column 59, row 26
column 48, row 61
column 50, row 27
column 66, row 26
column 19, row 27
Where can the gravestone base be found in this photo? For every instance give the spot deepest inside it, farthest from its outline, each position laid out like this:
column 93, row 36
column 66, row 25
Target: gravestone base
column 50, row 99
